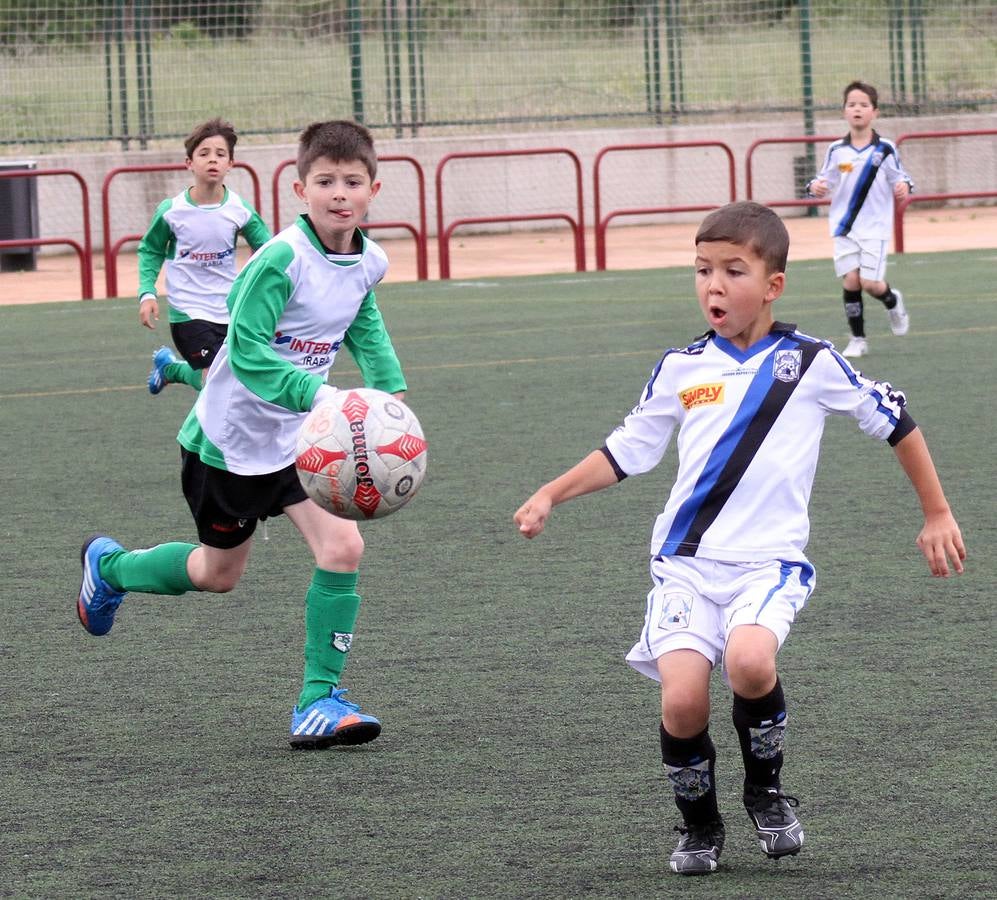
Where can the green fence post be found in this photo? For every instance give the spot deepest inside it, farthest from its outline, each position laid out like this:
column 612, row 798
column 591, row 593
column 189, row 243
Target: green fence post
column 119, row 30
column 652, row 60
column 413, row 34
column 356, row 59
column 806, row 70
column 143, row 129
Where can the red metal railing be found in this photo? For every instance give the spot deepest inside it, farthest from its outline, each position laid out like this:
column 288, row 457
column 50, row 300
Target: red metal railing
column 901, row 208
column 749, row 188
column 111, row 251
column 418, row 231
column 84, row 251
column 602, row 222
column 577, row 222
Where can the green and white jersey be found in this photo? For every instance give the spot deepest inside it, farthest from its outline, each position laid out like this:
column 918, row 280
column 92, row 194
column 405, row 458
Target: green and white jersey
column 292, row 307
column 197, row 243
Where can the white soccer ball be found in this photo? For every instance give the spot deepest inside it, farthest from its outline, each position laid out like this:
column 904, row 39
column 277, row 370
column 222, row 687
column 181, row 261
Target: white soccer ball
column 361, row 454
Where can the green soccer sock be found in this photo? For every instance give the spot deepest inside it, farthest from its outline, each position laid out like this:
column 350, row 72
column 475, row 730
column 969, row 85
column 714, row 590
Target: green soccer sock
column 184, row 373
column 331, row 608
column 158, row 570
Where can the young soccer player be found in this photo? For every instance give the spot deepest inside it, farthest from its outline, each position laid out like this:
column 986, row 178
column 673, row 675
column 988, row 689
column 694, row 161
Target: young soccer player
column 195, row 234
column 863, row 174
column 729, row 574
column 306, row 293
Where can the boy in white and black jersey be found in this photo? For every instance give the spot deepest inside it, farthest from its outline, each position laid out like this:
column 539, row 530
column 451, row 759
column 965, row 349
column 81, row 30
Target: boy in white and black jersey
column 314, row 281
column 864, row 177
column 194, row 234
column 749, row 400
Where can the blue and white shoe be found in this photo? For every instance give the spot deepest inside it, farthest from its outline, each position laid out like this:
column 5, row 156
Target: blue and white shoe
column 331, row 721
column 98, row 601
column 157, row 377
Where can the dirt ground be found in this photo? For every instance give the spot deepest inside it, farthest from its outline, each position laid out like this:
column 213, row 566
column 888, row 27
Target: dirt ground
column 540, row 252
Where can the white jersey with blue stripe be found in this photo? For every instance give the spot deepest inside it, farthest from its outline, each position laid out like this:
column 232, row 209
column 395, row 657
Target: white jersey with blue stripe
column 861, row 182
column 749, row 428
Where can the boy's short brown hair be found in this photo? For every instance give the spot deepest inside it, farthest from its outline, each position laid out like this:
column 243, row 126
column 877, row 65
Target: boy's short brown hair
column 751, row 225
column 340, row 140
column 211, row 128
column 866, row 89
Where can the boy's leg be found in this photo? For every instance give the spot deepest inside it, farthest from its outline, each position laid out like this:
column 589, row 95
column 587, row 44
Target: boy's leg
column 872, row 275
column 759, row 714
column 689, row 757
column 322, row 717
column 167, row 369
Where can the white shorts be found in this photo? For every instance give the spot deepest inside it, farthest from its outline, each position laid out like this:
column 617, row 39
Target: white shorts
column 696, row 603
column 868, row 256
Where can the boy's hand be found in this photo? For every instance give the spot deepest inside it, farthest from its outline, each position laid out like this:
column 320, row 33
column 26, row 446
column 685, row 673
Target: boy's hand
column 148, row 312
column 819, row 187
column 941, row 540
column 532, row 515
column 901, row 189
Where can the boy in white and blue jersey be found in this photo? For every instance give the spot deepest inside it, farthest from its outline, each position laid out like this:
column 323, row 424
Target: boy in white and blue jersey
column 748, row 401
column 864, row 177
column 194, row 234
column 306, row 293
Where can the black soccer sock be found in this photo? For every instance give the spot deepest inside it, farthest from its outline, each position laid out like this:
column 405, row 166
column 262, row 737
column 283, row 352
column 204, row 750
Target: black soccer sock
column 761, row 727
column 889, row 299
column 689, row 766
column 853, row 312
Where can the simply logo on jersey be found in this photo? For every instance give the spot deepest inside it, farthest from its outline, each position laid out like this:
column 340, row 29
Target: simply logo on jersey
column 702, row 395
column 786, row 364
column 342, row 641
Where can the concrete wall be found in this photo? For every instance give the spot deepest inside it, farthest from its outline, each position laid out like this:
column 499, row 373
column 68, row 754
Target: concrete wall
column 536, row 185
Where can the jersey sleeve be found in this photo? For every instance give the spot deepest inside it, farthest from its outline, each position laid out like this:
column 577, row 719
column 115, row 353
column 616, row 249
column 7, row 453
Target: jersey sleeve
column 895, row 171
column 639, row 442
column 370, row 346
column 877, row 406
column 828, row 171
column 255, row 230
column 157, row 243
column 258, row 299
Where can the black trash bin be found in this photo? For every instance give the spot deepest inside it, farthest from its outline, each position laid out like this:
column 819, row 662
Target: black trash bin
column 18, row 217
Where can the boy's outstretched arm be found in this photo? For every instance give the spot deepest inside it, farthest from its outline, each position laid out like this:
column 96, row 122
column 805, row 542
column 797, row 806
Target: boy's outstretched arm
column 940, row 538
column 592, row 474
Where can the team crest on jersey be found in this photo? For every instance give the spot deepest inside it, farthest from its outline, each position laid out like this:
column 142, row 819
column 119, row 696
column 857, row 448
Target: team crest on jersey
column 702, row 395
column 786, row 365
column 877, row 158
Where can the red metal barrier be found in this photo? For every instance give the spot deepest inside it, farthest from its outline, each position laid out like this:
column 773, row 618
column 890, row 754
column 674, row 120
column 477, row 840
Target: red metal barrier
column 898, row 219
column 601, row 223
column 418, row 232
column 749, row 176
column 84, row 252
column 577, row 223
column 111, row 250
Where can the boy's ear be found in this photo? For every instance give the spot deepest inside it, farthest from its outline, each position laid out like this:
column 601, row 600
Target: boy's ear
column 374, row 188
column 776, row 285
column 299, row 190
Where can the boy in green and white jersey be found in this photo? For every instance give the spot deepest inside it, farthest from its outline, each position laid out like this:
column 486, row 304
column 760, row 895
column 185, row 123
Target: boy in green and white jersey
column 195, row 234
column 304, row 294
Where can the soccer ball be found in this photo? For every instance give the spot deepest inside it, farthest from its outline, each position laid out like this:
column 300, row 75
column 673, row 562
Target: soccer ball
column 361, row 454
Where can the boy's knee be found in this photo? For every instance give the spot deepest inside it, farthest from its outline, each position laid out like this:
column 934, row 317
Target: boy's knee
column 751, row 672
column 684, row 711
column 342, row 555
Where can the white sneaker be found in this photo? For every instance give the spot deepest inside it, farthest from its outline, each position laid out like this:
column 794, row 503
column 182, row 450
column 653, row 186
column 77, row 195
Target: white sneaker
column 899, row 320
column 856, row 347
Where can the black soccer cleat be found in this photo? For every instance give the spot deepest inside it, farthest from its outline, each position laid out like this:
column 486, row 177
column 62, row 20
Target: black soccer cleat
column 771, row 812
column 698, row 849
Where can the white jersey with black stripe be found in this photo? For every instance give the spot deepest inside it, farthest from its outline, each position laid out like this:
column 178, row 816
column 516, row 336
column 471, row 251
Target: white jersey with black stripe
column 861, row 181
column 749, row 429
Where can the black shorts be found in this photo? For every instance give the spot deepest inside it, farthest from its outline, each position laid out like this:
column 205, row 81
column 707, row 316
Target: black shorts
column 226, row 506
column 198, row 341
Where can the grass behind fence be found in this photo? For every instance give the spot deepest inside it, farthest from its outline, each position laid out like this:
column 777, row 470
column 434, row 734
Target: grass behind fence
column 519, row 755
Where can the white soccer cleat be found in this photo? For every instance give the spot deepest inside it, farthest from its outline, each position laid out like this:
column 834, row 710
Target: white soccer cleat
column 899, row 320
column 857, row 346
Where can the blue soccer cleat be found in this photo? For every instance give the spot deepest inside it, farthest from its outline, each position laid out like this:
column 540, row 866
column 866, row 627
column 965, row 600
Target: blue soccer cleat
column 157, row 377
column 331, row 721
column 98, row 601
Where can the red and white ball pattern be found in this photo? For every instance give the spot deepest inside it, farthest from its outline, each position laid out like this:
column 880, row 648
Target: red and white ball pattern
column 361, row 454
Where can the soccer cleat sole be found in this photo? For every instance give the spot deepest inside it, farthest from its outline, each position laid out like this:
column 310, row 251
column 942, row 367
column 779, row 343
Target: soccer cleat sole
column 784, row 853
column 349, row 735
